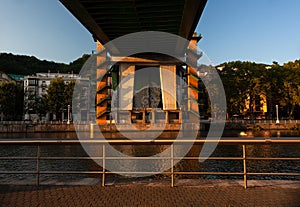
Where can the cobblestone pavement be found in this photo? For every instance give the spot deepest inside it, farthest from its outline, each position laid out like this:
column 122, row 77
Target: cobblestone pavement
column 137, row 194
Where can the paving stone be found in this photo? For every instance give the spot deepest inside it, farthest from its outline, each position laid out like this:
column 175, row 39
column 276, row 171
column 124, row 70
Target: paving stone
column 149, row 194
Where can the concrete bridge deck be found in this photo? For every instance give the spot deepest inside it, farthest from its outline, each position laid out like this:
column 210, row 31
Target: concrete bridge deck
column 154, row 193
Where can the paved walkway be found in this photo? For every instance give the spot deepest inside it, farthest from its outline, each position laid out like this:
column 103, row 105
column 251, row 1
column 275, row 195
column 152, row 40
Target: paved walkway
column 186, row 193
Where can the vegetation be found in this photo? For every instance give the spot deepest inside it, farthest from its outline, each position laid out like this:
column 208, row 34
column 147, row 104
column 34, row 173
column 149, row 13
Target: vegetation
column 59, row 96
column 28, row 65
column 248, row 80
column 11, row 101
column 279, row 84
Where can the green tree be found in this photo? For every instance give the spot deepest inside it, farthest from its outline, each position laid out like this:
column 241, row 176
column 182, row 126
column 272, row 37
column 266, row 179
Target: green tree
column 11, row 100
column 41, row 105
column 68, row 92
column 55, row 96
column 273, row 87
column 291, row 91
column 242, row 81
column 235, row 81
column 59, row 96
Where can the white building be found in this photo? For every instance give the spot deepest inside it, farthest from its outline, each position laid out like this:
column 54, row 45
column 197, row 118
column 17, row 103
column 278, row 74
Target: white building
column 35, row 86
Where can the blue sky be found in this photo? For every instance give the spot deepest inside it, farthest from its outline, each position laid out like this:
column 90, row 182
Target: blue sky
column 253, row 30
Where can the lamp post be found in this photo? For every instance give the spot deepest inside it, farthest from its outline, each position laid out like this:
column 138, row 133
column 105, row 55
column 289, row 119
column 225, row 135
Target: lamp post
column 68, row 122
column 277, row 117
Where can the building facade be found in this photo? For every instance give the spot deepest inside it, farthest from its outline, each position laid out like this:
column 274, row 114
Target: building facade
column 4, row 77
column 37, row 85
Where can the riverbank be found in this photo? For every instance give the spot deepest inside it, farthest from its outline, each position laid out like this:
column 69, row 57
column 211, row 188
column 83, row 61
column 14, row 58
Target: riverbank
column 22, row 127
column 273, row 126
column 263, row 125
column 32, row 128
column 12, row 127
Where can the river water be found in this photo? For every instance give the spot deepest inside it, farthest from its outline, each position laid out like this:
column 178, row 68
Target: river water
column 187, row 165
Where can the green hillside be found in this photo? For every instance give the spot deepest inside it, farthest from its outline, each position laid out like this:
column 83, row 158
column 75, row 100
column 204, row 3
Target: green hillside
column 28, row 65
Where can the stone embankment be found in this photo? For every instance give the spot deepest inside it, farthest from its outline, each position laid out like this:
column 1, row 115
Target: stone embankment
column 274, row 126
column 12, row 127
column 22, row 127
column 263, row 125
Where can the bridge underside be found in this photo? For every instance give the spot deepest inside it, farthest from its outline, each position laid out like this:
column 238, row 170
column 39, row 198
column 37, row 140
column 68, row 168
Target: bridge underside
column 110, row 19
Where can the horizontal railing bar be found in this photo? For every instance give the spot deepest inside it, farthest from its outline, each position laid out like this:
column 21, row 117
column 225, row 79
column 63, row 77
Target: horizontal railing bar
column 178, row 173
column 137, row 158
column 152, row 158
column 208, row 173
column 175, row 158
column 18, row 172
column 274, row 174
column 208, row 158
column 141, row 158
column 275, row 158
column 51, row 172
column 70, row 172
column 138, row 173
column 50, row 158
column 17, row 158
column 71, row 158
column 257, row 140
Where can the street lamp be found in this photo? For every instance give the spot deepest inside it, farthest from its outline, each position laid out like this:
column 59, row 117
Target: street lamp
column 68, row 122
column 277, row 118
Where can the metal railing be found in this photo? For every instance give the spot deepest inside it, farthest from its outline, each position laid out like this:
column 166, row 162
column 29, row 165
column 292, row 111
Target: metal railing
column 264, row 121
column 172, row 158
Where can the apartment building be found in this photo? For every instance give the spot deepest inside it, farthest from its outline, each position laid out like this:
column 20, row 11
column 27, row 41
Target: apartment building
column 36, row 86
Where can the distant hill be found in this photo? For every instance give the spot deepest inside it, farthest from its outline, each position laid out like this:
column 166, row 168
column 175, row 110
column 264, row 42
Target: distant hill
column 28, row 65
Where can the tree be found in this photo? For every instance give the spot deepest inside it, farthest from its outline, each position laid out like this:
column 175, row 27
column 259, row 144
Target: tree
column 41, row 105
column 59, row 96
column 68, row 92
column 56, row 96
column 235, row 80
column 242, row 81
column 27, row 65
column 11, row 100
column 291, row 91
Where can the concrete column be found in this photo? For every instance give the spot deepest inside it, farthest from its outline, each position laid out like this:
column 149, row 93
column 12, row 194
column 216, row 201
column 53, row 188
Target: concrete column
column 180, row 117
column 144, row 116
column 167, row 117
column 153, row 116
column 127, row 84
column 168, row 86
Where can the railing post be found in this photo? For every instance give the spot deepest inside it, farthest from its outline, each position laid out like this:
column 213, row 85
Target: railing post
column 172, row 165
column 38, row 165
column 103, row 165
column 245, row 166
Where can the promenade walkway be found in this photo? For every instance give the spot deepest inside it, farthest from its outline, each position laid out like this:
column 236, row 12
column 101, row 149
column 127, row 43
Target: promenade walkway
column 155, row 193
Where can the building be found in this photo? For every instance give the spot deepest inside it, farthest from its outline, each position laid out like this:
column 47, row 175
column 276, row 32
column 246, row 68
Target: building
column 36, row 86
column 19, row 79
column 4, row 77
column 257, row 109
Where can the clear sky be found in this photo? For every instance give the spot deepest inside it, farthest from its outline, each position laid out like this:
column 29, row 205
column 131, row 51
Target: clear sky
column 254, row 30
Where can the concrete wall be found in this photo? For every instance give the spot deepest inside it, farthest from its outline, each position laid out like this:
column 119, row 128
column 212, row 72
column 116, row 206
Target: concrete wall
column 16, row 128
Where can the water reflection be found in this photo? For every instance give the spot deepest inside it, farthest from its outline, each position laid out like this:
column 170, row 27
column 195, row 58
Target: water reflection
column 268, row 133
column 148, row 150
